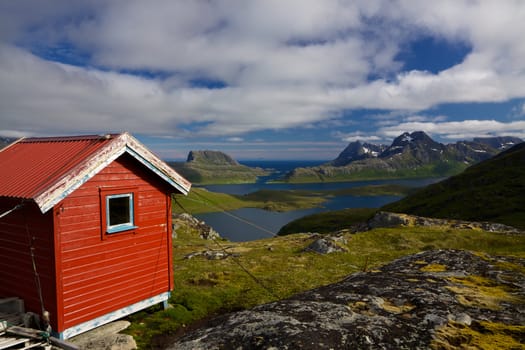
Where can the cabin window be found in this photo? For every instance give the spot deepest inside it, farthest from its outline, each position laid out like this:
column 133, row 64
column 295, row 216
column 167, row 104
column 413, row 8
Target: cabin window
column 118, row 208
column 119, row 214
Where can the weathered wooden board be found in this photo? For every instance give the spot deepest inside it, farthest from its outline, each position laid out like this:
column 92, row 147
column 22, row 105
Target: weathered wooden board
column 8, row 342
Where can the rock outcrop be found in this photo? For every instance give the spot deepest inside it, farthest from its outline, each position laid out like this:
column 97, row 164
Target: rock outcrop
column 327, row 244
column 106, row 337
column 190, row 222
column 388, row 219
column 442, row 299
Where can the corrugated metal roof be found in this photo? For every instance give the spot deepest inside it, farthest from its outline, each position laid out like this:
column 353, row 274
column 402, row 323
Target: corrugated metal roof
column 30, row 165
column 48, row 169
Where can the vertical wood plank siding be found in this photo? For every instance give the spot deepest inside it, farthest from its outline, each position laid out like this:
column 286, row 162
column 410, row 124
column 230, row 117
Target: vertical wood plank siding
column 17, row 276
column 98, row 274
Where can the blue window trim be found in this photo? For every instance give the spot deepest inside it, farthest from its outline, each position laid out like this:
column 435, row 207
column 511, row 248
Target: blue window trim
column 124, row 226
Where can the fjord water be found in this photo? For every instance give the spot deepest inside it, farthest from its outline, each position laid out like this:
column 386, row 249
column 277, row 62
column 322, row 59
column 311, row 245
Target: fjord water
column 248, row 224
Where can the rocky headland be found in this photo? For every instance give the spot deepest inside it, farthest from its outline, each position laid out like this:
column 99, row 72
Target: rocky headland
column 215, row 167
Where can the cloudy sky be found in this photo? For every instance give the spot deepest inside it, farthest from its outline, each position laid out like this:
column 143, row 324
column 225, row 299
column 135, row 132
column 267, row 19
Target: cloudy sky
column 270, row 79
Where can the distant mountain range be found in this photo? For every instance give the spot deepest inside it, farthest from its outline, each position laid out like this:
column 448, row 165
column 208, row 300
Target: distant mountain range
column 4, row 141
column 214, row 167
column 493, row 190
column 410, row 155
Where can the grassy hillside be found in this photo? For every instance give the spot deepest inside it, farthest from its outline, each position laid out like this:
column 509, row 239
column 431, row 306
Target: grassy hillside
column 328, row 222
column 280, row 268
column 493, row 190
column 271, row 269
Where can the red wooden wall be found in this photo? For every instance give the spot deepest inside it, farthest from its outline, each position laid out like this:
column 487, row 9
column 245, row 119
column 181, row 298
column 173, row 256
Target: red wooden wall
column 99, row 273
column 19, row 231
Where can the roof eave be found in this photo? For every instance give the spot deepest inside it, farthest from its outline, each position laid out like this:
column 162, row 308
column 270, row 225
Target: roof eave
column 124, row 143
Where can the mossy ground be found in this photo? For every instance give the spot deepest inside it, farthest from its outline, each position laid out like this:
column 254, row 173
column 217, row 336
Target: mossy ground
column 280, row 268
column 433, row 268
column 480, row 335
column 481, row 292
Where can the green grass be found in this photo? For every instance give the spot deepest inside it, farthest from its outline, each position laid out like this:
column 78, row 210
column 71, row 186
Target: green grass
column 375, row 190
column 209, row 287
column 328, row 222
column 200, row 200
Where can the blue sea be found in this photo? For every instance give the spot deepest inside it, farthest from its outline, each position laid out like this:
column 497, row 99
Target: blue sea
column 248, row 224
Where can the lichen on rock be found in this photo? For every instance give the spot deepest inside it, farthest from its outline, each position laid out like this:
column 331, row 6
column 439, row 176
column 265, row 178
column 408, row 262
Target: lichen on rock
column 399, row 306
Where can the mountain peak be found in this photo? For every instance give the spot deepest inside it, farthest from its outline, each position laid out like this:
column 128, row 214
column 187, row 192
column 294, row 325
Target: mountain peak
column 357, row 150
column 416, row 136
column 498, row 142
column 210, row 157
column 417, row 142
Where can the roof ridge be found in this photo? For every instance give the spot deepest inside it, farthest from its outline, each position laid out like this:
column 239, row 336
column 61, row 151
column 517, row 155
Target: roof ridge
column 69, row 138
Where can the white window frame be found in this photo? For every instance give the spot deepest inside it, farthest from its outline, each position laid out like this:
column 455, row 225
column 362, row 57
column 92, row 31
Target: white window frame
column 130, row 225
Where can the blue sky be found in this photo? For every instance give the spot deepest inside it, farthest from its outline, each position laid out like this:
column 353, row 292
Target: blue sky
column 268, row 79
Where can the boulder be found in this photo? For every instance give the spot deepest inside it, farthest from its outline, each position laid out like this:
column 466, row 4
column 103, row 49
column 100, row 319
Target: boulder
column 106, row 337
column 324, row 246
column 212, row 254
column 435, row 299
column 386, row 219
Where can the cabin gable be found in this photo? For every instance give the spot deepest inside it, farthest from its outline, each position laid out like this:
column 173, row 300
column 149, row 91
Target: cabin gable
column 103, row 270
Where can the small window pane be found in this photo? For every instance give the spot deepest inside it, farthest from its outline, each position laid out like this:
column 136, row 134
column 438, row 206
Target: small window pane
column 119, row 210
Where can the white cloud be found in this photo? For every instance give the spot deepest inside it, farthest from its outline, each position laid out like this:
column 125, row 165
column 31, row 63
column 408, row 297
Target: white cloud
column 424, row 118
column 235, row 139
column 459, row 130
column 284, row 64
column 357, row 136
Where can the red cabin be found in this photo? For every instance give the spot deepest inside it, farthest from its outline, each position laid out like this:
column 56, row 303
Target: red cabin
column 85, row 228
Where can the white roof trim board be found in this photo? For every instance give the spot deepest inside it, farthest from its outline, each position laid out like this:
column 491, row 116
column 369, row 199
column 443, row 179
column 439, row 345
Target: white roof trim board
column 124, row 143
